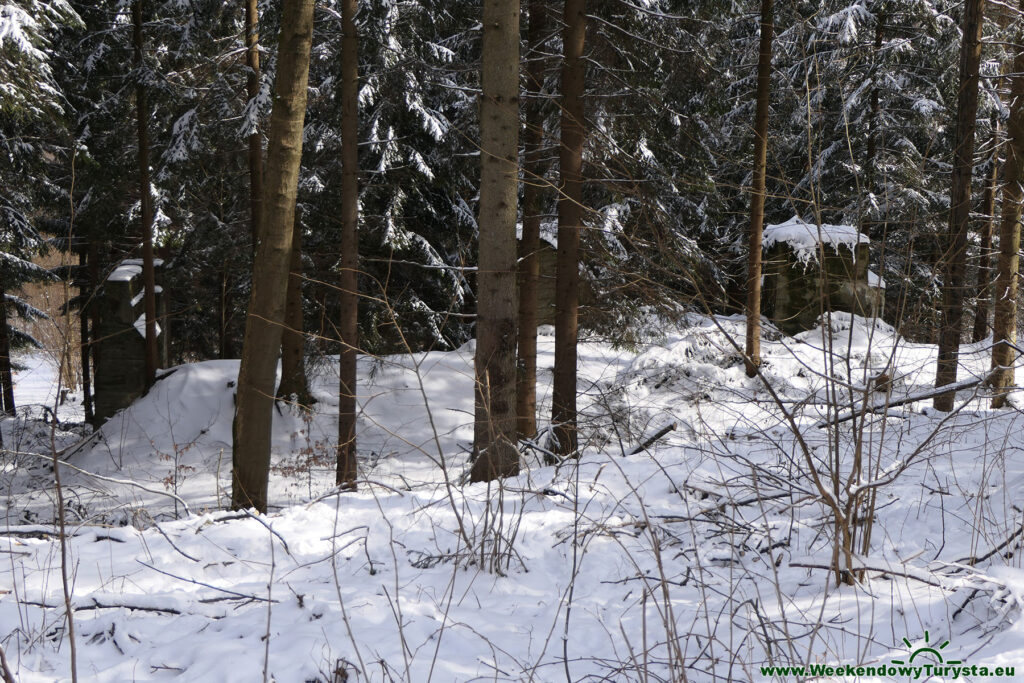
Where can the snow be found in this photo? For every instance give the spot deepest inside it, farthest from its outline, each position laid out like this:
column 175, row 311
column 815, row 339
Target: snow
column 124, row 273
column 706, row 555
column 807, row 238
column 875, row 280
column 140, row 325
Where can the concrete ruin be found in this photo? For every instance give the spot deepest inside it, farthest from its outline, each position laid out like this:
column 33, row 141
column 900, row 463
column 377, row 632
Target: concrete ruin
column 119, row 333
column 809, row 269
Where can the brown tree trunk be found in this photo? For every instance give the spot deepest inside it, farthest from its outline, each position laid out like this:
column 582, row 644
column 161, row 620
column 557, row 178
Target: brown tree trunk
column 254, row 403
column 225, row 348
column 495, row 406
column 761, row 112
column 252, row 61
column 872, row 152
column 988, row 209
column 6, row 372
column 348, row 277
column 1004, row 321
column 570, row 218
column 954, row 261
column 85, row 294
column 145, row 203
column 529, row 245
column 294, row 387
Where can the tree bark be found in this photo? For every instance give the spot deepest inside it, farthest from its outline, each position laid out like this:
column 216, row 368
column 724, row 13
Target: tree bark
column 348, row 276
column 874, row 134
column 570, row 218
column 6, row 371
column 529, row 245
column 984, row 285
column 254, row 403
column 252, row 61
column 1004, row 320
column 761, row 113
column 495, row 405
column 955, row 257
column 85, row 294
column 145, row 203
column 294, row 385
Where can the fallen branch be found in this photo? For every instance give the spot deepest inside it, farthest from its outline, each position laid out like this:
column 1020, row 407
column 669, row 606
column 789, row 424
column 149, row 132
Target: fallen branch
column 913, row 398
column 96, row 604
column 205, row 585
column 972, row 561
column 864, row 567
column 111, row 480
column 670, row 427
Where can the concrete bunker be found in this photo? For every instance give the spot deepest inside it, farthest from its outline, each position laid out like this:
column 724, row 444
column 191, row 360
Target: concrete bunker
column 809, row 269
column 119, row 349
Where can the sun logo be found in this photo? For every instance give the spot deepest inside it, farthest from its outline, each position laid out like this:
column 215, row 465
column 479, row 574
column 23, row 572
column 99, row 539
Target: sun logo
column 927, row 649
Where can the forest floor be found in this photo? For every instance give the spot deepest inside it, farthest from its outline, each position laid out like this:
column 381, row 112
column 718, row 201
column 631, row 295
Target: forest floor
column 704, row 557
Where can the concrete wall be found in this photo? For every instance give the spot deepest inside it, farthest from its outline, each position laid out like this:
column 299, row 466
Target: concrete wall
column 119, row 347
column 795, row 294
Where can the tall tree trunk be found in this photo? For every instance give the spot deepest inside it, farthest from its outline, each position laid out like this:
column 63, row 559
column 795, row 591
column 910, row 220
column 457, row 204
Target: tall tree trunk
column 871, row 162
column 529, row 245
column 1004, row 321
column 91, row 310
column 254, row 403
column 495, row 409
column 984, row 286
column 570, row 218
column 252, row 61
column 954, row 262
column 85, row 294
column 6, row 372
column 224, row 347
column 293, row 338
column 348, row 277
column 761, row 112
column 145, row 203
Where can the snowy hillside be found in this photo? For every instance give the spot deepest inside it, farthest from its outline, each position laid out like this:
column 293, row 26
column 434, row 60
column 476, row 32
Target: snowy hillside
column 704, row 557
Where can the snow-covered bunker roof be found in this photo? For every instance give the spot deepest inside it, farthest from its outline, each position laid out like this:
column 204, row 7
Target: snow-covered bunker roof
column 803, row 238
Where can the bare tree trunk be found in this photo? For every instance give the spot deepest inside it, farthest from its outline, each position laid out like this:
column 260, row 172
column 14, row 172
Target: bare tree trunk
column 91, row 349
column 495, row 422
column 254, row 403
column 252, row 61
column 570, row 218
column 85, row 294
column 1004, row 321
column 761, row 113
column 871, row 164
column 224, row 348
column 984, row 287
column 954, row 261
column 529, row 261
column 6, row 372
column 348, row 277
column 145, row 203
column 293, row 338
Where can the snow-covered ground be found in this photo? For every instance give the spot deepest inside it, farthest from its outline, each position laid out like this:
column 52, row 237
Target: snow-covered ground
column 703, row 557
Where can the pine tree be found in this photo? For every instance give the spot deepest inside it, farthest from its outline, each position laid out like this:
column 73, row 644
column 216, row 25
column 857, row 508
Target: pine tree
column 1004, row 319
column 32, row 119
column 495, row 378
column 348, row 279
column 533, row 192
column 954, row 259
column 570, row 216
column 764, row 75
